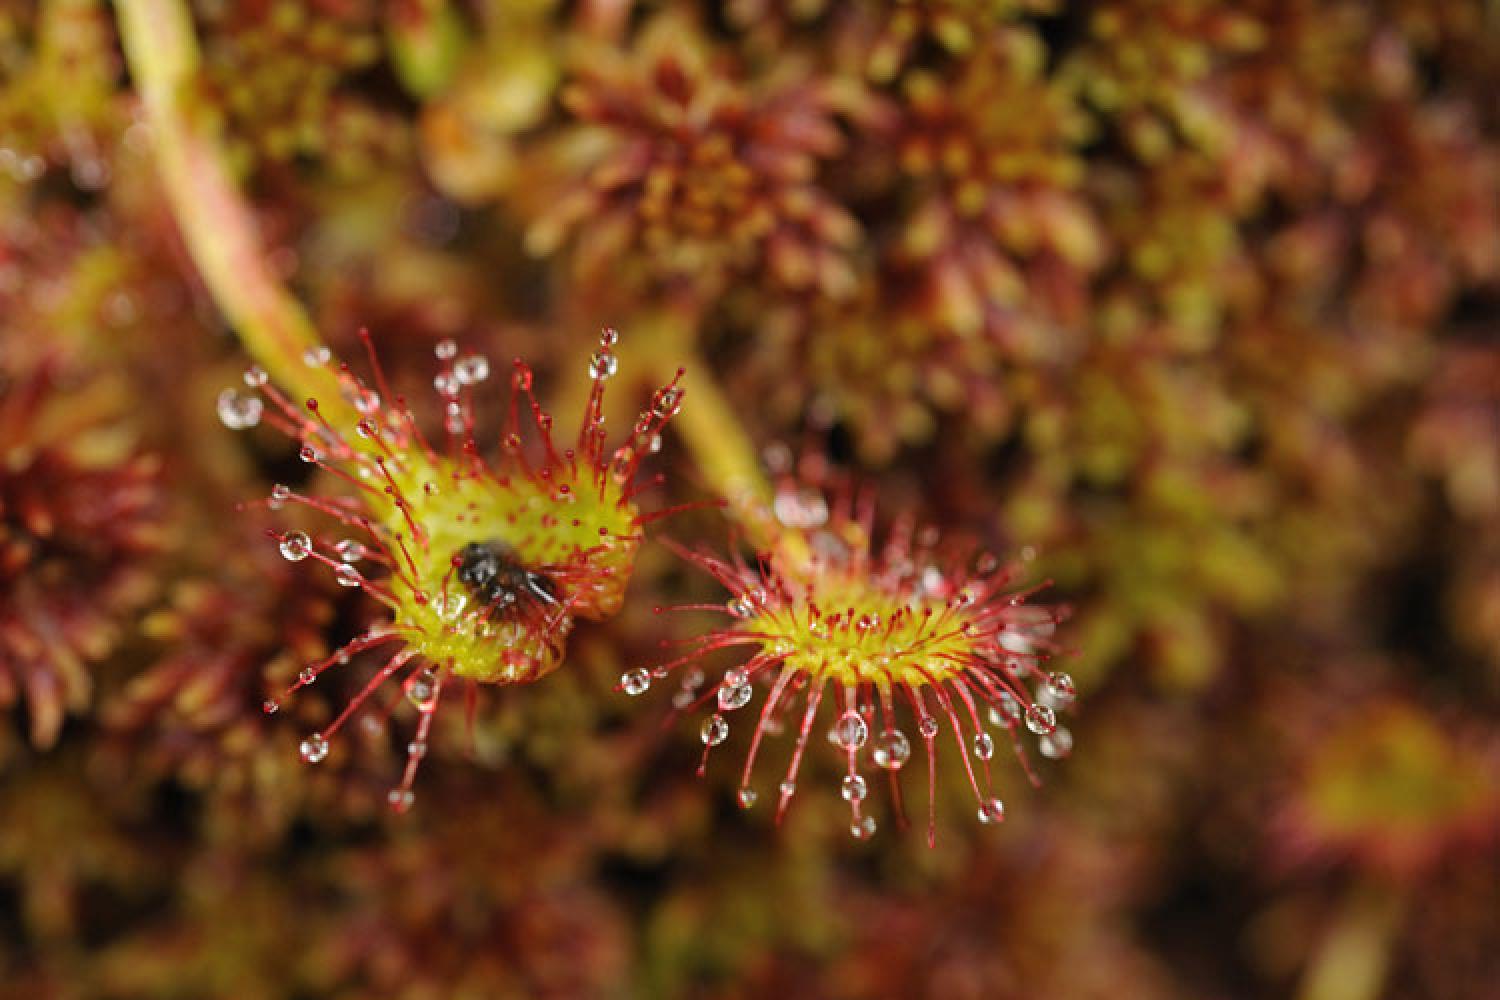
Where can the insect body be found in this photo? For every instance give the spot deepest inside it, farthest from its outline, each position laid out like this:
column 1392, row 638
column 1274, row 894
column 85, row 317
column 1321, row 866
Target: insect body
column 496, row 579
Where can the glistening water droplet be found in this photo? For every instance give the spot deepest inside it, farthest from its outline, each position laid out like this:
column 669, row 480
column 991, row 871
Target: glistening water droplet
column 1040, row 719
column 350, row 551
column 472, row 370
column 1060, row 689
column 314, row 748
column 295, row 546
column 733, row 696
column 1057, row 744
column 421, row 690
column 602, row 365
column 1007, row 712
column 891, row 749
column 849, row 732
column 668, row 402
column 238, row 411
column 714, row 730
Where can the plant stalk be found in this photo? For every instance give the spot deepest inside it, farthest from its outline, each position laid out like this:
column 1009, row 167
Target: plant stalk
column 721, row 449
column 216, row 222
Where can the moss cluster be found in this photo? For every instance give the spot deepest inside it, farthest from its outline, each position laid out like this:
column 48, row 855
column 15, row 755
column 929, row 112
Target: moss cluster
column 1195, row 299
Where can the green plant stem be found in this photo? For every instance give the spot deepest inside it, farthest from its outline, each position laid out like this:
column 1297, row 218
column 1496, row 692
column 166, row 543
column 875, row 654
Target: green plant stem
column 216, row 223
column 722, row 451
column 1351, row 962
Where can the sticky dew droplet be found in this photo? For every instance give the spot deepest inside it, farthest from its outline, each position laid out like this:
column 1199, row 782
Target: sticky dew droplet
column 295, row 546
column 238, row 411
column 350, row 551
column 668, row 403
column 714, row 730
column 1040, row 719
column 602, row 365
column 314, row 749
column 849, row 732
column 891, row 750
column 421, row 690
column 471, row 370
column 1056, row 745
column 1060, row 689
column 1006, row 712
column 734, row 692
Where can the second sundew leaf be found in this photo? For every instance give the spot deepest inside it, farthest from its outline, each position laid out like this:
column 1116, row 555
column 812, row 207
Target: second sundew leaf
column 890, row 638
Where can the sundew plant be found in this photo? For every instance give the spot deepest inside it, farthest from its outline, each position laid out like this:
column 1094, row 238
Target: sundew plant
column 669, row 498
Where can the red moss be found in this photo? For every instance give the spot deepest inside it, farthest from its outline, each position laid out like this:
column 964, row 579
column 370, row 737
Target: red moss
column 79, row 523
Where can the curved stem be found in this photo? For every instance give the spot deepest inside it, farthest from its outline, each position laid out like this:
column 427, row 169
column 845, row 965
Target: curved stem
column 722, row 450
column 724, row 453
column 1351, row 963
column 216, row 223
